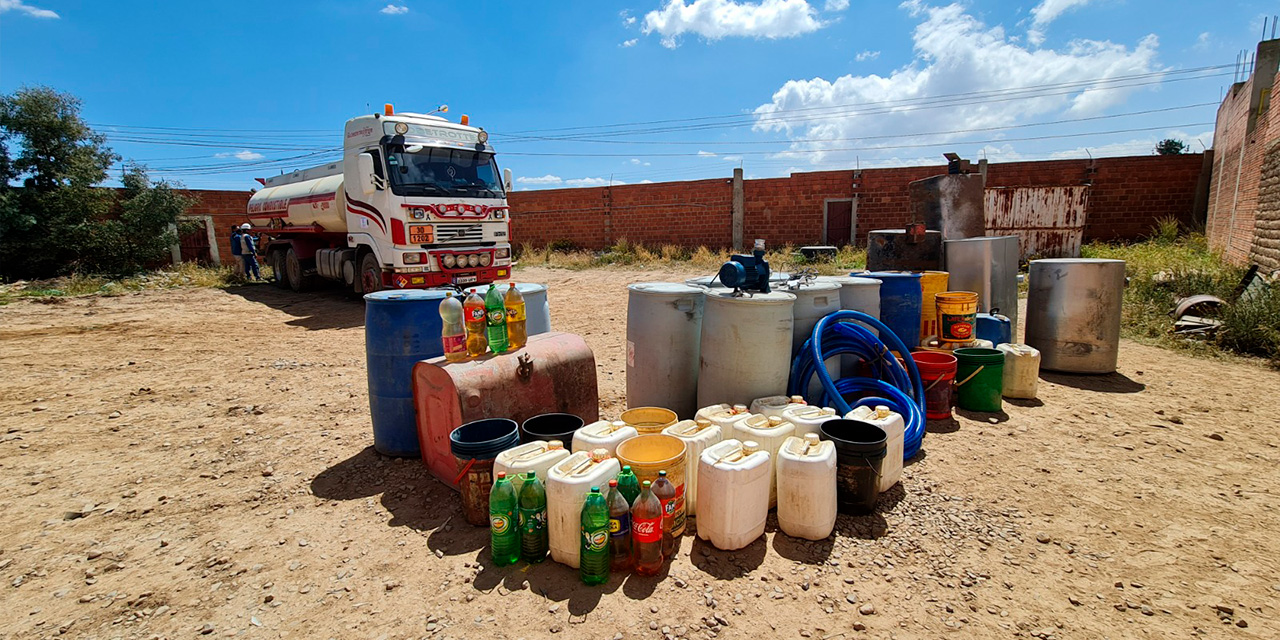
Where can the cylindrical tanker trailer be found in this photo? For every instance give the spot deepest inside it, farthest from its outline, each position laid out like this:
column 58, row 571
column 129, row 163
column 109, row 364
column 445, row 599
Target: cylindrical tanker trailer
column 416, row 202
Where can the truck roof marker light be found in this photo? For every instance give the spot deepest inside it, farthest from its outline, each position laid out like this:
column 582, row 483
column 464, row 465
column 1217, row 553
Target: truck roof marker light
column 465, row 120
column 388, row 110
column 483, row 136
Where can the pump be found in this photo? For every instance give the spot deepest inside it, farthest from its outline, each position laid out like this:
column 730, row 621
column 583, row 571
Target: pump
column 747, row 273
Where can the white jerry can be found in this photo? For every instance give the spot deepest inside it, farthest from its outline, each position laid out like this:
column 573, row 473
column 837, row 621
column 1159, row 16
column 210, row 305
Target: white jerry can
column 808, row 418
column 807, row 487
column 724, row 415
column 697, row 436
column 1021, row 370
column 895, row 427
column 603, row 434
column 770, row 406
column 733, row 490
column 568, row 484
column 537, row 456
column 769, row 433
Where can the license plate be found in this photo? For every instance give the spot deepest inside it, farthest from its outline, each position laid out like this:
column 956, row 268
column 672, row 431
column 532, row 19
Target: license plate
column 421, row 234
column 464, row 279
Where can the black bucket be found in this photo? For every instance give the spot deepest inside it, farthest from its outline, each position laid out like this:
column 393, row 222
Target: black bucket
column 860, row 449
column 550, row 426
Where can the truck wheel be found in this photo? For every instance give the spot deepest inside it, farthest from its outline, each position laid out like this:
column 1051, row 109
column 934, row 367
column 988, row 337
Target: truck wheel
column 293, row 267
column 279, row 269
column 370, row 274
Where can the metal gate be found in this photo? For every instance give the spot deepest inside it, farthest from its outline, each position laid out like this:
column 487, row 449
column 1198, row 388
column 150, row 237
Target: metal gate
column 193, row 239
column 1049, row 221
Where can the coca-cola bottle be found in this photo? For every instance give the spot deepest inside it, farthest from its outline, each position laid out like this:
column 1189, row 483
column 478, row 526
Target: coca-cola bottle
column 646, row 532
column 665, row 492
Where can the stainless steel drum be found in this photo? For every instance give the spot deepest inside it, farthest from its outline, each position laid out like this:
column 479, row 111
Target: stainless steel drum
column 989, row 267
column 1073, row 313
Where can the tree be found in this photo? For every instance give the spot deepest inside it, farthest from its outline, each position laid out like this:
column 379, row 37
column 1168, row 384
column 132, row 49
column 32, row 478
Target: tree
column 1171, row 147
column 54, row 219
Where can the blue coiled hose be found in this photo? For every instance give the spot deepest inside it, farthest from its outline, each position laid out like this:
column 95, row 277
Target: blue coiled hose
column 889, row 384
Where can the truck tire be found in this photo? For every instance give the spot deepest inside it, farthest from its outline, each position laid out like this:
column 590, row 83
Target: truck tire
column 370, row 274
column 293, row 267
column 278, row 269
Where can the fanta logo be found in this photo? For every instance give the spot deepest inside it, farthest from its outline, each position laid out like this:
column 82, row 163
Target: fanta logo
column 595, row 539
column 499, row 523
column 477, row 314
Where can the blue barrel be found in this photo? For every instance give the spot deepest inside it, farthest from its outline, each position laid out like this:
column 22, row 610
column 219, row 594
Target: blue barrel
column 400, row 328
column 994, row 327
column 900, row 297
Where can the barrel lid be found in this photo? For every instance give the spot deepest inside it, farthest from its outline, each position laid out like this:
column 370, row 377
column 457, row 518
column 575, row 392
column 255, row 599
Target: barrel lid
column 890, row 275
column 847, row 281
column 992, row 239
column 1076, row 261
column 664, row 288
column 522, row 287
column 817, row 286
column 773, row 297
column 406, row 295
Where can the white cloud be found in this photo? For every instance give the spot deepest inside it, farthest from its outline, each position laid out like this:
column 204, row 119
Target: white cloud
column 539, row 181
column 588, row 182
column 715, row 19
column 551, row 181
column 394, row 10
column 629, row 43
column 706, row 154
column 639, row 162
column 21, row 7
column 732, row 158
column 867, row 55
column 1139, row 146
column 627, row 18
column 954, row 54
column 1202, row 42
column 836, row 5
column 240, row 155
column 1048, row 11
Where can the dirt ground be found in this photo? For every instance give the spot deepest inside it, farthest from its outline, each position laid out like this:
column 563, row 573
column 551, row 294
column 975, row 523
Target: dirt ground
column 198, row 462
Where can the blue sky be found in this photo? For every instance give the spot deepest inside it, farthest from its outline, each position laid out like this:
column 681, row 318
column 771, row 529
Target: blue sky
column 586, row 92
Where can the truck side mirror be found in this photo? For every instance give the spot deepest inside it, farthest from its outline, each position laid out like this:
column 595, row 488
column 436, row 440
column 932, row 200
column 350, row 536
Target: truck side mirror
column 506, row 180
column 364, row 166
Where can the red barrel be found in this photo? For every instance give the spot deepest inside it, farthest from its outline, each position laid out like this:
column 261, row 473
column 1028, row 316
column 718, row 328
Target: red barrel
column 938, row 374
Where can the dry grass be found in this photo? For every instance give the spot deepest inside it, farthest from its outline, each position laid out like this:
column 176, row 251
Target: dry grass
column 628, row 254
column 183, row 275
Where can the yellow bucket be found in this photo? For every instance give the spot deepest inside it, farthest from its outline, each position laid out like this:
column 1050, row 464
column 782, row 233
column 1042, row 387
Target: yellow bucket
column 649, row 454
column 649, row 419
column 957, row 313
column 931, row 284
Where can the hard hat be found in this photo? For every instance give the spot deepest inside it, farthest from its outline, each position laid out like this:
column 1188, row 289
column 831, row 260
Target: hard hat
column 246, row 226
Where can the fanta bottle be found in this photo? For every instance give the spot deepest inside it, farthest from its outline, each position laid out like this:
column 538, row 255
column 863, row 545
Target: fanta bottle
column 593, row 559
column 646, row 532
column 517, row 335
column 666, row 494
column 473, row 311
column 504, row 533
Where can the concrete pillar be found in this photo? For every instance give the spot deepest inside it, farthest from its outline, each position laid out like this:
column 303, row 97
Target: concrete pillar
column 737, row 209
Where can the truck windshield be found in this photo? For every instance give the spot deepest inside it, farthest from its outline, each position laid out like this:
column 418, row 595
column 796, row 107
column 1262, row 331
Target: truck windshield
column 418, row 170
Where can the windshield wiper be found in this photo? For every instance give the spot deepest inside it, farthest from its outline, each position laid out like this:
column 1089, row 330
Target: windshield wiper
column 434, row 188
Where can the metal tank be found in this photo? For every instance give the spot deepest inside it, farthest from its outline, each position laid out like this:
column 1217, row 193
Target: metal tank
column 814, row 301
column 988, row 267
column 1073, row 313
column 664, row 328
column 891, row 250
column 537, row 310
column 745, row 350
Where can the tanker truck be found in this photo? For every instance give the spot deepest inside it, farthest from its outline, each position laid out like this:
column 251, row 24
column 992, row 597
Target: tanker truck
column 415, row 202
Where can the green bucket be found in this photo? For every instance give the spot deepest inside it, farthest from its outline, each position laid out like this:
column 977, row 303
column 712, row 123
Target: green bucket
column 979, row 379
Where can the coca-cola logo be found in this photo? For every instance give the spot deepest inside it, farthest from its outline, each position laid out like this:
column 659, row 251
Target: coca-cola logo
column 645, row 528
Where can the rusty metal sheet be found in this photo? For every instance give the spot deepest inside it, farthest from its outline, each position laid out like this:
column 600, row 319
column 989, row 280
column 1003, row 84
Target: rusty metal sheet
column 1049, row 221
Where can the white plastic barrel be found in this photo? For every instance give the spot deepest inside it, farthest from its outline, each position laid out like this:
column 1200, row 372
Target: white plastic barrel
column 697, row 436
column 746, row 346
column 733, row 489
column 808, row 418
column 664, row 330
column 814, row 301
column 534, row 456
column 776, row 405
column 856, row 294
column 807, row 487
column 1021, row 370
column 894, row 427
column 537, row 310
column 603, row 434
column 568, row 484
column 769, row 433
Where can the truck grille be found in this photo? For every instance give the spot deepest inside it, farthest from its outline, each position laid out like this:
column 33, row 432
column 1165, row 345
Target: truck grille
column 456, row 233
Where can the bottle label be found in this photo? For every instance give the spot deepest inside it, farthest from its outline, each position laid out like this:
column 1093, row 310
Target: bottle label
column 957, row 326
column 620, row 526
column 647, row 529
column 497, row 317
column 499, row 522
column 533, row 521
column 515, row 313
column 454, row 344
column 475, row 314
column 595, row 540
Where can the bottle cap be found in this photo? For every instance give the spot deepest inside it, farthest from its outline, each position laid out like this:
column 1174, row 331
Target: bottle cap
column 828, row 411
column 502, row 474
column 532, row 475
column 662, row 474
column 811, row 439
column 882, row 411
column 703, row 422
column 626, row 468
column 798, row 399
column 774, row 421
column 617, row 424
column 739, row 408
column 613, row 482
column 595, row 489
column 750, row 447
column 555, row 444
column 599, row 454
column 645, row 484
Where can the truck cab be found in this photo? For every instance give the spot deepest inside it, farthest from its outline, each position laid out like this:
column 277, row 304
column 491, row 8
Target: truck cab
column 416, row 202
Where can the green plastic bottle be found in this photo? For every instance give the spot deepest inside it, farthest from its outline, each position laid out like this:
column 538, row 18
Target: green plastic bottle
column 533, row 519
column 504, row 533
column 628, row 484
column 593, row 561
column 495, row 310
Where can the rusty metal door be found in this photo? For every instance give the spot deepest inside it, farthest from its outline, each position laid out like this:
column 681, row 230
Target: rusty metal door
column 839, row 223
column 1049, row 221
column 193, row 238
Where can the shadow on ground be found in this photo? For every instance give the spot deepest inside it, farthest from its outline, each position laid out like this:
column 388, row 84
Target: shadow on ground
column 325, row 308
column 1106, row 383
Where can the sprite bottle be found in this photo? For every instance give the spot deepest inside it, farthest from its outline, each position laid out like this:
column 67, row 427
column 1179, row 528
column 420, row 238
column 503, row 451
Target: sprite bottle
column 504, row 534
column 533, row 519
column 628, row 484
column 496, row 320
column 593, row 561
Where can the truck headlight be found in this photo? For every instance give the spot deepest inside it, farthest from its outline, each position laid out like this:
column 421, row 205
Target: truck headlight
column 485, row 259
column 449, row 260
column 504, row 252
column 413, row 258
column 473, row 259
column 418, row 213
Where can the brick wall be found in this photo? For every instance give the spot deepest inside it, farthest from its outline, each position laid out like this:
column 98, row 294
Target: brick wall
column 1127, row 196
column 227, row 208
